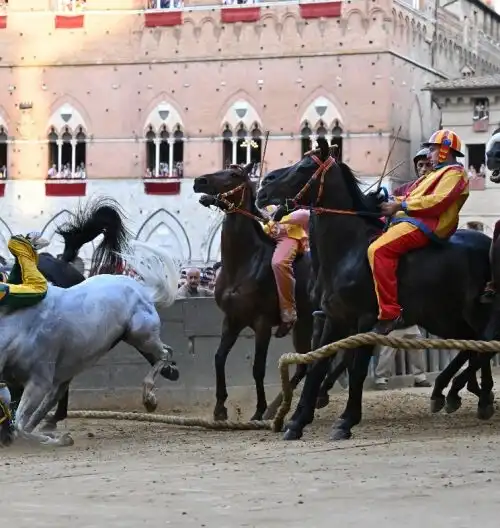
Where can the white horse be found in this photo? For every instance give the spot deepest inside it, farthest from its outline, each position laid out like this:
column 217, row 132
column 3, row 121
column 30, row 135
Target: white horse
column 50, row 343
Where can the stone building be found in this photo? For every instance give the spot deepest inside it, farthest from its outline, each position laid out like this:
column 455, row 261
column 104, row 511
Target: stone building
column 105, row 93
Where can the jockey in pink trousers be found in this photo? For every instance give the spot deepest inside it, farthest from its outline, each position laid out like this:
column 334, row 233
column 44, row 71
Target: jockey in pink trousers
column 291, row 234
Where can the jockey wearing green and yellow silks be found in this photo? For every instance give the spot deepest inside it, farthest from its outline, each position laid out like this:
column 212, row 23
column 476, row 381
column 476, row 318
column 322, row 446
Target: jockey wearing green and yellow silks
column 25, row 285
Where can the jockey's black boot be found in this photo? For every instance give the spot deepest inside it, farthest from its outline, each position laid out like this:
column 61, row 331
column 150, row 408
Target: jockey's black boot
column 7, row 429
column 386, row 326
column 488, row 294
column 284, row 329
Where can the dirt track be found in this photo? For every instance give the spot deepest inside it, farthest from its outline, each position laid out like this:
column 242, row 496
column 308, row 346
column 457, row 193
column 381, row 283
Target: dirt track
column 404, row 468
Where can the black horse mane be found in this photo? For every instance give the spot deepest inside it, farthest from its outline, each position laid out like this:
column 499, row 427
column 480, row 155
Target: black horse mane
column 99, row 216
column 362, row 202
column 260, row 232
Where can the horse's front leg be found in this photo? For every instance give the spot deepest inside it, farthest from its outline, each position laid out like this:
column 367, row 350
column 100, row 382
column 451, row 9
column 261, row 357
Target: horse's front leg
column 357, row 361
column 329, row 381
column 302, row 343
column 262, row 339
column 230, row 332
column 37, row 400
column 304, row 412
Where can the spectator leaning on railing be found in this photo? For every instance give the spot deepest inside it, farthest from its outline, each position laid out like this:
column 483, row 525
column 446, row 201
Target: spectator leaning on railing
column 66, row 174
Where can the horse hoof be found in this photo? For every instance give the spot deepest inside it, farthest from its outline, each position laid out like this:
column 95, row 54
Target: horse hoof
column 150, row 403
column 257, row 416
column 220, row 415
column 437, row 404
column 292, row 434
column 486, row 412
column 170, row 372
column 322, row 401
column 453, row 403
column 340, row 434
column 48, row 426
column 66, row 440
column 273, row 408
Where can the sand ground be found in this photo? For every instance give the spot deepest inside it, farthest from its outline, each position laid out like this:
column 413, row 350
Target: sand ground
column 404, row 467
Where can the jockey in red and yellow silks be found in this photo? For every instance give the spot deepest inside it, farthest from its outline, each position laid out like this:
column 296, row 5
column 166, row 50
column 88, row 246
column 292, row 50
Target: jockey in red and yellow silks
column 428, row 211
column 291, row 235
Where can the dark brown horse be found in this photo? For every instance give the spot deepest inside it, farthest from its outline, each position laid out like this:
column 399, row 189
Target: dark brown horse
column 245, row 289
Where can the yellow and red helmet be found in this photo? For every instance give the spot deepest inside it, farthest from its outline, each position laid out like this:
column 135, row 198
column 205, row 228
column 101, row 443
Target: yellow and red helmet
column 446, row 140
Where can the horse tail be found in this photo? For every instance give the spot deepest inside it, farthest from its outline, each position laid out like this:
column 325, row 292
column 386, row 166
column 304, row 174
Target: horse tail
column 101, row 216
column 156, row 269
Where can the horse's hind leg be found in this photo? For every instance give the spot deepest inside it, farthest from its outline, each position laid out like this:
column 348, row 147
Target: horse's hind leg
column 438, row 400
column 468, row 376
column 60, row 414
column 143, row 334
column 485, row 405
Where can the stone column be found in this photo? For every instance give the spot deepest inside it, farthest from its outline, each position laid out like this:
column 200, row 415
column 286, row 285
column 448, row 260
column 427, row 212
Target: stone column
column 171, row 157
column 73, row 157
column 59, row 154
column 249, row 149
column 157, row 157
column 235, row 144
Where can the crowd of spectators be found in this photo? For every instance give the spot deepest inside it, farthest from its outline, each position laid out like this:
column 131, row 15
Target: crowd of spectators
column 164, row 171
column 66, row 174
column 474, row 172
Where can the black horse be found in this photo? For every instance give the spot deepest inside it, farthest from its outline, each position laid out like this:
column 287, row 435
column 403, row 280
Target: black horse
column 245, row 289
column 439, row 286
column 101, row 216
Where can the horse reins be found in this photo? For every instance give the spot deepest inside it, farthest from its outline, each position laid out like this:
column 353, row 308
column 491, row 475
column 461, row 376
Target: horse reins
column 232, row 207
column 321, row 171
column 323, row 168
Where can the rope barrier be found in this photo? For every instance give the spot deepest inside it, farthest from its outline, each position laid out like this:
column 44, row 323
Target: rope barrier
column 359, row 340
column 285, row 361
column 224, row 425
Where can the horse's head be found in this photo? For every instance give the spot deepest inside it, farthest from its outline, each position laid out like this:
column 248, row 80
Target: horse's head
column 302, row 182
column 493, row 156
column 229, row 184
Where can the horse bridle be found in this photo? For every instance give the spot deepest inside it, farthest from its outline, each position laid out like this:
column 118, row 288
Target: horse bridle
column 321, row 171
column 323, row 168
column 231, row 207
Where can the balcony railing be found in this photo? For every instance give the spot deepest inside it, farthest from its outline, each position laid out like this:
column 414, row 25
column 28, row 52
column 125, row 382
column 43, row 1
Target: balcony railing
column 477, row 184
column 165, row 4
column 70, row 6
